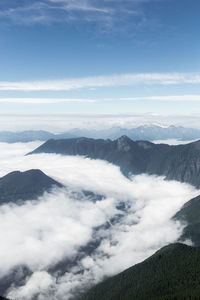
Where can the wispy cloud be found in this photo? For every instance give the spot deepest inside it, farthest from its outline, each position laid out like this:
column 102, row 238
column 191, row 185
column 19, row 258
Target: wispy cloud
column 103, row 81
column 45, row 100
column 27, row 13
column 164, row 98
column 106, row 13
column 81, row 5
column 173, row 98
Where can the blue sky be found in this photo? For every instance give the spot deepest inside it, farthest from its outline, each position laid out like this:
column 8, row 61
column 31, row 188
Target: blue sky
column 99, row 56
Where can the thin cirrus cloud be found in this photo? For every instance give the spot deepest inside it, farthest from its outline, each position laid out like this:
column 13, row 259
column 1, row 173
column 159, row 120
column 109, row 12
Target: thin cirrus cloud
column 164, row 98
column 45, row 100
column 48, row 11
column 103, row 81
column 176, row 98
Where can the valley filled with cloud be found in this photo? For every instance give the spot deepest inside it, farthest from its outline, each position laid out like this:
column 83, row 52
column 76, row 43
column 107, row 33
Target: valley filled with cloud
column 97, row 225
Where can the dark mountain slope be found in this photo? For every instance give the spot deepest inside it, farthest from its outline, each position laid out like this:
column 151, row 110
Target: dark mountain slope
column 190, row 216
column 129, row 155
column 171, row 273
column 180, row 162
column 25, row 185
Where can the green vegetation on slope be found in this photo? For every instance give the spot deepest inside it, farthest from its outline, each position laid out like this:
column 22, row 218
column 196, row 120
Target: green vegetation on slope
column 171, row 273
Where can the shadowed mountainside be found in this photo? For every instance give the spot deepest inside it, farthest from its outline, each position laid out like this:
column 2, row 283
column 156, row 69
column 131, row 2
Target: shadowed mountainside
column 173, row 272
column 25, row 185
column 189, row 215
column 181, row 163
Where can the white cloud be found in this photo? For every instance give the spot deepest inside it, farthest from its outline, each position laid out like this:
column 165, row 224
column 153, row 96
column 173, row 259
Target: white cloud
column 104, row 13
column 84, row 100
column 173, row 142
column 103, row 81
column 164, row 98
column 39, row 282
column 81, row 5
column 61, row 222
column 42, row 234
column 62, row 123
column 45, row 100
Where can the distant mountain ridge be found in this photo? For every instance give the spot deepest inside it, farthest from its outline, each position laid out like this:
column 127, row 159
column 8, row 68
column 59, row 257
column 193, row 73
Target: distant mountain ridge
column 172, row 273
column 145, row 132
column 29, row 136
column 26, row 185
column 181, row 163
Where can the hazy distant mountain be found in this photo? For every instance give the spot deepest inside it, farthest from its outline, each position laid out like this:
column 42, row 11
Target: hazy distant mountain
column 180, row 162
column 171, row 273
column 25, row 185
column 145, row 132
column 29, row 136
column 24, row 136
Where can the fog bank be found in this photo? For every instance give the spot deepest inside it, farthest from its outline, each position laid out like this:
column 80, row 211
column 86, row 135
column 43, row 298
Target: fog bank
column 130, row 222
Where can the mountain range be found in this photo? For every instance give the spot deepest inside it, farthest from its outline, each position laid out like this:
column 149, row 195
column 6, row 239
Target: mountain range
column 181, row 162
column 172, row 273
column 144, row 132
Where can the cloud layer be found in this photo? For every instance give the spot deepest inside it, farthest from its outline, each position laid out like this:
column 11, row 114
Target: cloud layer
column 126, row 226
column 103, row 81
column 61, row 123
column 104, row 13
column 171, row 98
column 45, row 100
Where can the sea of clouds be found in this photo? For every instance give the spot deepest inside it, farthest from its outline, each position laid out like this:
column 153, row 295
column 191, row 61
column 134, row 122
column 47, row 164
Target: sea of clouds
column 61, row 123
column 66, row 240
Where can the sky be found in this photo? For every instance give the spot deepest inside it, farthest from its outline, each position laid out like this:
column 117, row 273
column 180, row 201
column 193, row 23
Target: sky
column 99, row 56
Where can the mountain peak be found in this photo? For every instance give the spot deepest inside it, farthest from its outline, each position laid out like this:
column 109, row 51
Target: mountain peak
column 124, row 143
column 124, row 138
column 26, row 185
